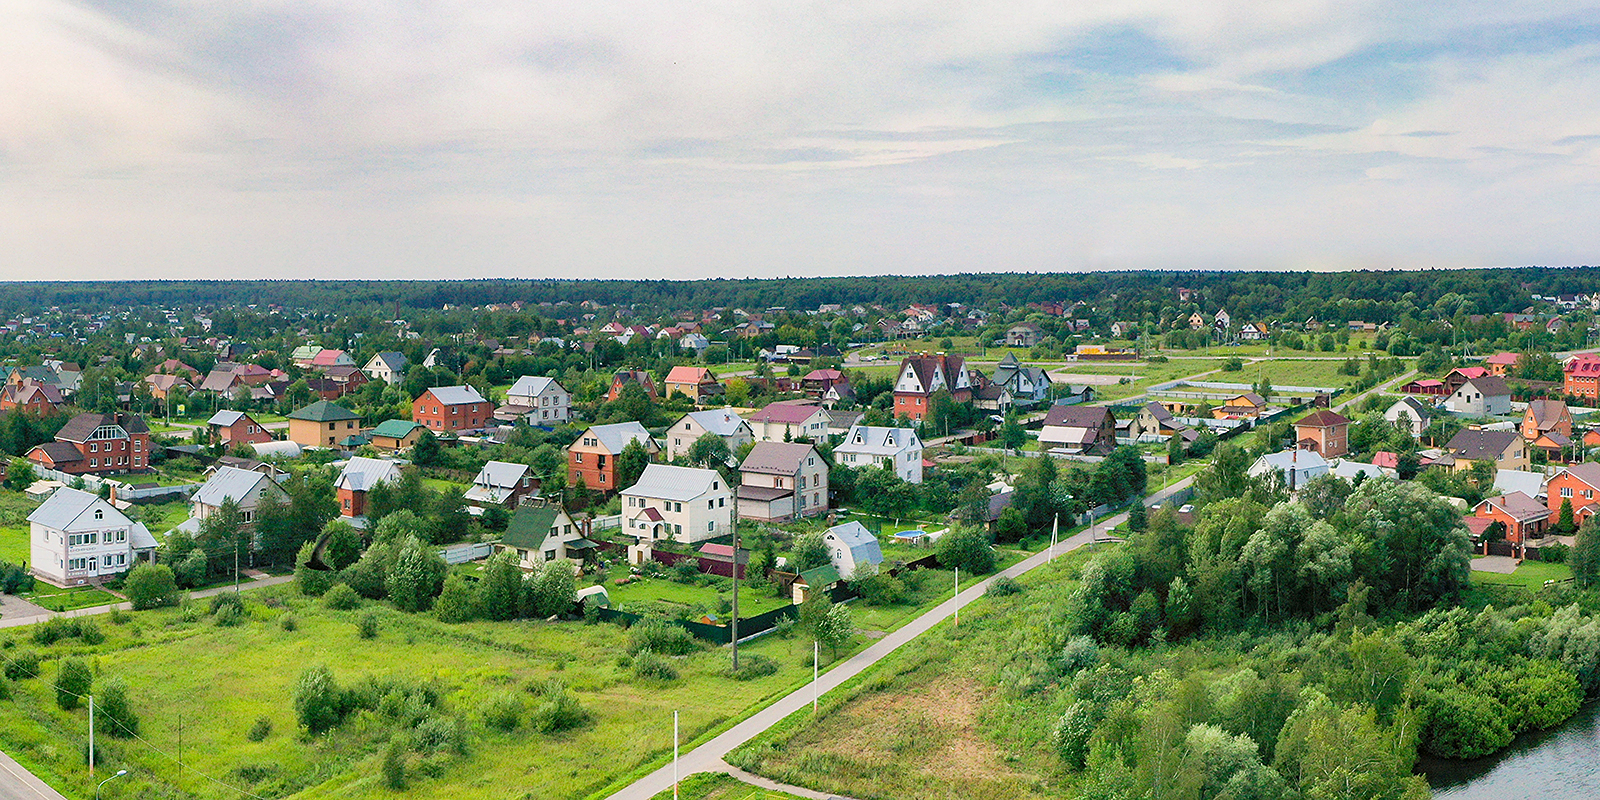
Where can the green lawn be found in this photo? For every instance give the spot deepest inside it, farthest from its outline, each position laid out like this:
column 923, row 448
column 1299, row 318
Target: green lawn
column 664, row 597
column 57, row 599
column 1529, row 574
column 720, row 786
column 161, row 517
column 443, row 486
column 14, row 544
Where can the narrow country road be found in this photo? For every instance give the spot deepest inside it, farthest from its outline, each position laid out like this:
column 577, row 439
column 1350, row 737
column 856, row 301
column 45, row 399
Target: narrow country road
column 708, row 757
column 17, row 783
column 12, row 622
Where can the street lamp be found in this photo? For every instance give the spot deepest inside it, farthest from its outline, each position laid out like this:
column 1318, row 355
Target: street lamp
column 120, row 773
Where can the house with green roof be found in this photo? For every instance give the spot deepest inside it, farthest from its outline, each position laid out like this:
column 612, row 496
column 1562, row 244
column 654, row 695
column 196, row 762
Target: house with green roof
column 322, row 424
column 816, row 579
column 540, row 533
column 395, row 434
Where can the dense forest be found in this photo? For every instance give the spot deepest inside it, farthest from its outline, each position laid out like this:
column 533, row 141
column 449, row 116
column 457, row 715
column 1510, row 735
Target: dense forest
column 1367, row 295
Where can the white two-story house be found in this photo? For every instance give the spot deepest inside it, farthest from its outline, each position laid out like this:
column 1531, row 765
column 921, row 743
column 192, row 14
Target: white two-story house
column 686, row 504
column 244, row 487
column 782, row 481
column 722, row 422
column 78, row 538
column 868, row 445
column 541, row 401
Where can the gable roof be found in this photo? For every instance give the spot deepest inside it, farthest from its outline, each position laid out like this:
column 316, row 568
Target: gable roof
column 786, row 412
column 1322, row 418
column 500, row 474
column 874, row 440
column 1418, row 409
column 820, row 577
column 667, row 482
column 82, row 426
column 1159, row 412
column 230, row 482
column 1588, row 472
column 59, row 452
column 688, row 374
column 395, row 428
column 1508, row 359
column 1480, row 445
column 530, row 526
column 394, row 361
column 530, row 386
column 64, row 510
column 615, row 437
column 776, row 458
column 1518, row 506
column 720, row 421
column 863, row 546
column 324, row 411
column 1488, row 385
column 1076, row 416
column 455, row 395
column 226, row 418
column 1546, row 413
column 360, row 473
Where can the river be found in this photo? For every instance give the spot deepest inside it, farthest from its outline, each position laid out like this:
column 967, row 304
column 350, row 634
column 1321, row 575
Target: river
column 1556, row 764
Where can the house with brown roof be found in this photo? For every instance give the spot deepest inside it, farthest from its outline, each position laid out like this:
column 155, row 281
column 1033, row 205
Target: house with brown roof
column 1578, row 484
column 162, row 386
column 1546, row 416
column 787, row 420
column 1504, row 449
column 621, row 379
column 1524, row 518
column 819, row 382
column 173, row 366
column 31, row 397
column 1324, row 432
column 97, row 444
column 1084, row 430
column 236, row 427
column 1245, row 406
column 782, row 481
column 1456, row 378
column 921, row 376
column 696, row 383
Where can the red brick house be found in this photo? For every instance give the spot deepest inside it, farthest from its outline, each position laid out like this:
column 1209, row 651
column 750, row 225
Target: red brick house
column 452, row 408
column 1523, row 517
column 1324, row 432
column 620, row 381
column 31, row 397
column 97, row 444
column 1581, row 376
column 1578, row 483
column 593, row 456
column 1546, row 416
column 236, row 427
column 921, row 376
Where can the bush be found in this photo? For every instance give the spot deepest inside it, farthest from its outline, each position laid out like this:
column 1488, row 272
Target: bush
column 22, row 665
column 458, row 602
column 1080, row 653
column 966, row 549
column 5, row 689
column 341, row 598
column 289, row 622
column 558, row 711
column 151, row 586
column 1004, row 586
column 440, row 734
column 229, row 615
column 317, row 700
column 503, row 712
column 312, row 582
column 73, row 682
column 394, row 766
column 90, row 633
column 1554, row 553
column 224, row 601
column 260, row 730
column 650, row 666
column 752, row 666
column 57, row 628
column 368, row 627
column 111, row 704
column 660, row 636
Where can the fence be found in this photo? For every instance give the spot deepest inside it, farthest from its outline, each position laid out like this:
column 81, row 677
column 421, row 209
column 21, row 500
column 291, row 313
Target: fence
column 463, row 553
column 718, row 634
column 125, row 491
column 602, row 523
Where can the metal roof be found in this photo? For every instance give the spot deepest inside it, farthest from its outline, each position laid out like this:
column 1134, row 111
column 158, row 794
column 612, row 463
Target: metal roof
column 66, row 509
column 456, row 395
column 616, row 436
column 776, row 458
column 530, row 386
column 226, row 418
column 230, row 482
column 361, row 473
column 720, row 421
column 666, row 482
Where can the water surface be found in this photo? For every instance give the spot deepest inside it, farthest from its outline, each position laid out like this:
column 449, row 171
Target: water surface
column 1548, row 765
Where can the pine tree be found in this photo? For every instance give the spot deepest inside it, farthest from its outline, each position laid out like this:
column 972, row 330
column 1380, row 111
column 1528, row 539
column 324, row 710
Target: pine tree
column 1564, row 522
column 1138, row 518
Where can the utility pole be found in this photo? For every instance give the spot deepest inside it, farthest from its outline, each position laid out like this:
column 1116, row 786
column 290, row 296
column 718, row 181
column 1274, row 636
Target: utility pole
column 91, row 737
column 816, row 654
column 674, row 755
column 734, row 623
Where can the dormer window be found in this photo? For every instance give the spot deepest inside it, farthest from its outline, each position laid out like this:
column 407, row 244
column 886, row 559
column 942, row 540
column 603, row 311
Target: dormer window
column 99, row 513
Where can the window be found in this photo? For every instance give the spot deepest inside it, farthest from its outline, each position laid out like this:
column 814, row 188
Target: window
column 549, row 555
column 1566, row 491
column 99, row 513
column 94, row 462
column 577, row 458
column 711, row 527
column 722, row 502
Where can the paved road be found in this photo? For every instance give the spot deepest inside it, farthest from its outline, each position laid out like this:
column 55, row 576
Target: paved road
column 708, row 757
column 17, row 783
column 12, row 622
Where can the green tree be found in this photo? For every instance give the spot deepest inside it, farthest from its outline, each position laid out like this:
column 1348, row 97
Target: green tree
column 967, row 549
column 317, row 699
column 1012, row 435
column 552, row 590
column 500, row 590
column 111, row 705
column 809, row 552
column 416, row 576
column 276, row 534
column 20, row 474
column 1585, row 556
column 344, row 545
column 835, row 629
column 73, row 683
column 457, row 602
column 151, row 586
column 426, row 452
column 1564, row 522
column 631, row 463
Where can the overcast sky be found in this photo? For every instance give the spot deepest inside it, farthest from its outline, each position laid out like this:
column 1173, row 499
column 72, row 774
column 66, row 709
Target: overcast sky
column 472, row 138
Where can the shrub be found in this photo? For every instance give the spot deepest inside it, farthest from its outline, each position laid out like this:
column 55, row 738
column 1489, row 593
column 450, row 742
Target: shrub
column 1004, row 586
column 1554, row 553
column 317, row 700
column 22, row 665
column 784, row 628
column 753, row 665
column 72, row 683
column 661, row 637
column 558, row 711
column 260, row 730
column 967, row 549
column 229, row 615
column 1080, row 653
column 368, row 627
column 458, row 602
column 394, row 766
column 5, row 689
column 150, row 586
column 120, row 617
column 289, row 622
column 341, row 598
column 89, row 632
column 111, row 704
column 650, row 666
column 439, row 735
column 503, row 712
column 225, row 600
column 312, row 582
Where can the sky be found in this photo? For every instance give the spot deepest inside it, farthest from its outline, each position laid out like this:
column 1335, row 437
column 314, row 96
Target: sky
column 620, row 139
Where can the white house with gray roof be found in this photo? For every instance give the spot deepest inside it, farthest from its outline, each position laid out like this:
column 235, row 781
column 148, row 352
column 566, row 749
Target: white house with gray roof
column 77, row 537
column 388, row 366
column 540, row 400
column 244, row 487
column 500, row 483
column 686, row 504
column 870, row 445
column 723, row 423
column 850, row 546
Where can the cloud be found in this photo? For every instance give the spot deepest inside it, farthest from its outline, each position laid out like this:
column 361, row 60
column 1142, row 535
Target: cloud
column 323, row 138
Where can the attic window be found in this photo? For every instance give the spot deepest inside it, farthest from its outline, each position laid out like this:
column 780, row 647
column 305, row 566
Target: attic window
column 99, row 513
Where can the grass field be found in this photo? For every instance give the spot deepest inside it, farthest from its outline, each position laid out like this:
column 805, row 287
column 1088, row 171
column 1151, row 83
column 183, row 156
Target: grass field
column 660, row 596
column 946, row 716
column 14, row 547
column 221, row 680
column 57, row 599
column 720, row 786
column 1529, row 574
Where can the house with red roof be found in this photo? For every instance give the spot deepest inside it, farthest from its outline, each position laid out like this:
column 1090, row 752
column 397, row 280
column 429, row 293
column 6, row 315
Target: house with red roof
column 1324, row 432
column 696, row 383
column 1581, row 376
column 1524, row 518
column 1427, row 386
column 1501, row 364
column 1458, row 377
column 331, row 358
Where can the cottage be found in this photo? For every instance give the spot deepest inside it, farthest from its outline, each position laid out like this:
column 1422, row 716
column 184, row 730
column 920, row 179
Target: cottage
column 852, row 547
column 1245, row 406
column 245, row 488
column 1084, row 430
column 868, row 445
column 322, row 424
column 500, row 483
column 452, row 408
column 685, row 504
column 1544, row 417
column 1411, row 414
column 388, row 366
column 1483, row 396
column 696, row 383
column 76, row 537
column 1581, row 376
column 723, row 423
column 1025, row 334
column 539, row 400
column 1291, row 468
column 236, row 427
column 1576, row 484
column 1028, row 385
column 1523, row 517
column 592, row 458
column 787, row 420
column 1154, row 421
column 97, row 444
column 1504, row 449
column 1458, row 377
column 1324, row 432
column 921, row 376
column 782, row 481
column 621, row 380
column 394, row 435
column 540, row 533
column 358, row 476
column 1501, row 364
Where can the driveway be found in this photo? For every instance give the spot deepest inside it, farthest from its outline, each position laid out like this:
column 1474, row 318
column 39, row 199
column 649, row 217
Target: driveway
column 14, row 607
column 1505, row 565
